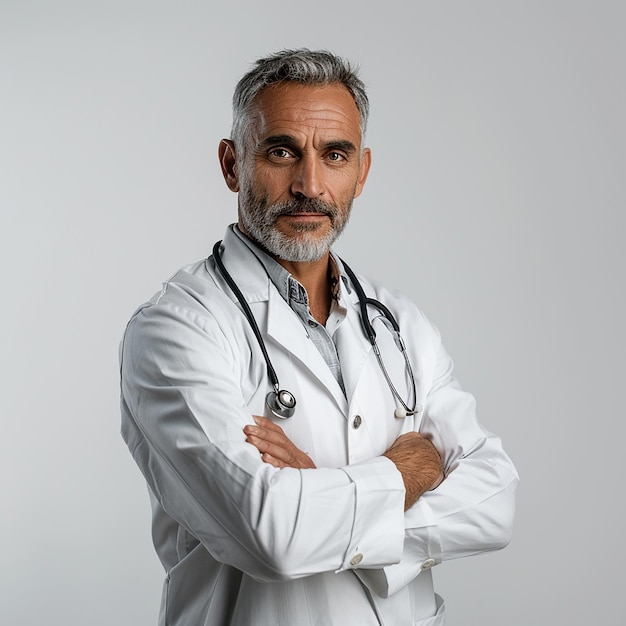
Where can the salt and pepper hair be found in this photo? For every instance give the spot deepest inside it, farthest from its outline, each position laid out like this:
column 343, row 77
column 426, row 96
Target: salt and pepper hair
column 304, row 66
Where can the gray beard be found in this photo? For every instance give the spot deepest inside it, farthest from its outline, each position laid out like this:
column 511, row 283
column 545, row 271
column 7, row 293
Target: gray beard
column 259, row 218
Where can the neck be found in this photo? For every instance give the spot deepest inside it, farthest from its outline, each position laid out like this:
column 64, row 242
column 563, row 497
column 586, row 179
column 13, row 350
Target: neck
column 313, row 276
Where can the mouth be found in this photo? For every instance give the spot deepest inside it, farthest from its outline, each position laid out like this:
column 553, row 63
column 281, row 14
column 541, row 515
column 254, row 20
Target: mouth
column 305, row 215
column 306, row 220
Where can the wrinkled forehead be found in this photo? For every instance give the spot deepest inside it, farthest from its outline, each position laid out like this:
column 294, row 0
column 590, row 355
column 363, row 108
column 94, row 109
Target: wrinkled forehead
column 282, row 107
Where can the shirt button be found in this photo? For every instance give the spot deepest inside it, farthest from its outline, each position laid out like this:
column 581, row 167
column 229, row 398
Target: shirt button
column 428, row 563
column 312, row 323
column 357, row 421
column 356, row 559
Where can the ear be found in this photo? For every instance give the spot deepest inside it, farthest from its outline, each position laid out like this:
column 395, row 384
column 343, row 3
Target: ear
column 228, row 163
column 366, row 162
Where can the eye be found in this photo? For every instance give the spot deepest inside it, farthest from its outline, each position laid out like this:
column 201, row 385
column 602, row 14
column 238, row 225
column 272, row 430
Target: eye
column 279, row 153
column 335, row 157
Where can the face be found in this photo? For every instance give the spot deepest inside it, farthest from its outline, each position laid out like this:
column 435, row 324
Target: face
column 303, row 165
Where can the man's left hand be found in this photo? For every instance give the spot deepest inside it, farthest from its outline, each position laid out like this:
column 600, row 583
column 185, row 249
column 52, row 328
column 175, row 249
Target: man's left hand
column 275, row 447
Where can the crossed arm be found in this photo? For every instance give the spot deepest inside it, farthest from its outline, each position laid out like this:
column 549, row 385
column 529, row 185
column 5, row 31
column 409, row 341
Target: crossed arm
column 415, row 457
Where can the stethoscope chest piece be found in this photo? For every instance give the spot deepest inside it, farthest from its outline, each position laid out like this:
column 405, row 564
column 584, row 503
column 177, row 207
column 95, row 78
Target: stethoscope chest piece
column 281, row 403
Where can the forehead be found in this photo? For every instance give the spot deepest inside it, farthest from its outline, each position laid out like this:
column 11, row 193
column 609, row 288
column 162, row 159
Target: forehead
column 295, row 108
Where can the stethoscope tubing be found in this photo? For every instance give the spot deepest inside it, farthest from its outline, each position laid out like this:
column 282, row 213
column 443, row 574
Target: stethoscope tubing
column 271, row 372
column 281, row 402
column 370, row 333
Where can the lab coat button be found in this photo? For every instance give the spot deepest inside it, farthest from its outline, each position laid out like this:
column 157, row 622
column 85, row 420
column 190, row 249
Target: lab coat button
column 418, row 409
column 357, row 421
column 356, row 559
column 428, row 563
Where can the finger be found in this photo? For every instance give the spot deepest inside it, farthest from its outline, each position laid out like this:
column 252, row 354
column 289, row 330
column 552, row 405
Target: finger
column 302, row 461
column 265, row 446
column 268, row 458
column 274, row 442
column 276, row 437
column 266, row 423
column 281, row 457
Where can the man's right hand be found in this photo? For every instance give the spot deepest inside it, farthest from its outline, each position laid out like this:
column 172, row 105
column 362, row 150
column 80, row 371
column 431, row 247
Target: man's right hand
column 419, row 463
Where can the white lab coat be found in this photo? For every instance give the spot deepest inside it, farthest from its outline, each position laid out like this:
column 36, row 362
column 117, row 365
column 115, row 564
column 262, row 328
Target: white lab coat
column 244, row 543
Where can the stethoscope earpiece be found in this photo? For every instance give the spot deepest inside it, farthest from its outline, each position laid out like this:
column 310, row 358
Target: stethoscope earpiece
column 282, row 404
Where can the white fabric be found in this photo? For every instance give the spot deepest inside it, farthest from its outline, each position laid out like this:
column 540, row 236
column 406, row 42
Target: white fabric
column 246, row 544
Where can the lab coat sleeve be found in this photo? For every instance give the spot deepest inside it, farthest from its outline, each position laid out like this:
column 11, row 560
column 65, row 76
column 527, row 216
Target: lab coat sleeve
column 472, row 510
column 182, row 417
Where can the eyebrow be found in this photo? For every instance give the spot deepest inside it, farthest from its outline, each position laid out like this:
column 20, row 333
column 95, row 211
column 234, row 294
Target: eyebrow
column 340, row 144
column 275, row 140
column 288, row 140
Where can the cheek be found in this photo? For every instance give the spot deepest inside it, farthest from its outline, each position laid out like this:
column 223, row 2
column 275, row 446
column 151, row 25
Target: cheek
column 346, row 178
column 344, row 189
column 275, row 184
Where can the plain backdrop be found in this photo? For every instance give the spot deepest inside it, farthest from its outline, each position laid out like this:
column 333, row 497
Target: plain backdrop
column 496, row 201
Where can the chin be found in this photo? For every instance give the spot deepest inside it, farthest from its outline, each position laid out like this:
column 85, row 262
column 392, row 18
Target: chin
column 302, row 248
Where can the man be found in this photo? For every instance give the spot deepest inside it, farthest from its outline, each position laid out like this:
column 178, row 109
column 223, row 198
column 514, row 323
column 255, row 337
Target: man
column 331, row 510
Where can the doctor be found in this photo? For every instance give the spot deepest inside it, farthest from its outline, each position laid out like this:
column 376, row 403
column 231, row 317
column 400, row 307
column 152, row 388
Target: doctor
column 301, row 472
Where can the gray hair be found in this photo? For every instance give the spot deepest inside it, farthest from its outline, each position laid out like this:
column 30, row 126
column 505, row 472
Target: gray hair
column 307, row 67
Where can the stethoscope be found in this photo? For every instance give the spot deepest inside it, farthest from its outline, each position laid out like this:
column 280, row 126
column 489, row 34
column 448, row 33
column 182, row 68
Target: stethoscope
column 282, row 403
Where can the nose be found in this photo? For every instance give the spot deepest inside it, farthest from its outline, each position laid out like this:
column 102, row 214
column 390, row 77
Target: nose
column 308, row 178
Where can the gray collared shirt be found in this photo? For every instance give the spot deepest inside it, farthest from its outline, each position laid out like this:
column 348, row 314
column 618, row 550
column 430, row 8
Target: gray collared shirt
column 298, row 300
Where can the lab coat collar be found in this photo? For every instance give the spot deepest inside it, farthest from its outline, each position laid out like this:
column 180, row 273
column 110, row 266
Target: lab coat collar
column 246, row 270
column 251, row 277
column 282, row 326
column 285, row 328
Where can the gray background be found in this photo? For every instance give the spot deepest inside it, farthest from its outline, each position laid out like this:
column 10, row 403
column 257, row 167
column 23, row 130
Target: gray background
column 496, row 201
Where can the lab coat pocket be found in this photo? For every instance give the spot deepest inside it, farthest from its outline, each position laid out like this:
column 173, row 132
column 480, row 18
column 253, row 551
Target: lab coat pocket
column 438, row 619
column 186, row 600
column 185, row 543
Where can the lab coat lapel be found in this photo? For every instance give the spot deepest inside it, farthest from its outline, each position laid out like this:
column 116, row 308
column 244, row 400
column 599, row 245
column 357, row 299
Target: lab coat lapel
column 353, row 347
column 285, row 328
column 245, row 269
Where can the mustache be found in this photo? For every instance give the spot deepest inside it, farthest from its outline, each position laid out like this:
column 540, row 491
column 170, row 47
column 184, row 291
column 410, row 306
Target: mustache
column 304, row 205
